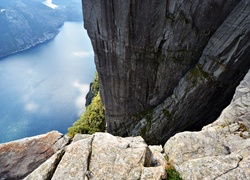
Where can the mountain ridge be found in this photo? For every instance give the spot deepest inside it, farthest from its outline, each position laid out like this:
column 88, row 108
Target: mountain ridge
column 29, row 23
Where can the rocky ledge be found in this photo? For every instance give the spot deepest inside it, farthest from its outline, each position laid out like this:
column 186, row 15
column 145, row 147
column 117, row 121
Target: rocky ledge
column 220, row 151
column 21, row 157
column 103, row 156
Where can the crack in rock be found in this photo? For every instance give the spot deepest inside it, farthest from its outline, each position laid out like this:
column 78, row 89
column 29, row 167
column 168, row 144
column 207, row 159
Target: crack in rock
column 240, row 159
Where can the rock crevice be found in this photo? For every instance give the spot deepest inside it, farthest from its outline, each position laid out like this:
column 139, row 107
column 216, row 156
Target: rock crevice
column 103, row 156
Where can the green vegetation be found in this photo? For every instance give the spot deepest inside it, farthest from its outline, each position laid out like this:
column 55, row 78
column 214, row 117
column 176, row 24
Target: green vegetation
column 197, row 71
column 94, row 89
column 93, row 119
column 148, row 124
column 148, row 115
column 167, row 114
column 172, row 174
column 95, row 85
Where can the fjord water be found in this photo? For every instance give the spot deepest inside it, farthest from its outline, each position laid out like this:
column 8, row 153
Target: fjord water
column 44, row 88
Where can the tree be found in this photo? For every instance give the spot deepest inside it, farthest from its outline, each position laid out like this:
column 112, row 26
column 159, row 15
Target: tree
column 91, row 121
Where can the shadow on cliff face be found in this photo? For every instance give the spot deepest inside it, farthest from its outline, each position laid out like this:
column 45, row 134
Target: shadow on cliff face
column 173, row 64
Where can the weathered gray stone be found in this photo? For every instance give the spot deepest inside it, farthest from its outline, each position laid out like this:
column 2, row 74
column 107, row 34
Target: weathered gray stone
column 118, row 158
column 212, row 167
column 74, row 163
column 47, row 169
column 19, row 158
column 153, row 173
column 78, row 137
column 200, row 95
column 187, row 55
column 158, row 157
column 104, row 156
column 222, row 149
column 68, row 163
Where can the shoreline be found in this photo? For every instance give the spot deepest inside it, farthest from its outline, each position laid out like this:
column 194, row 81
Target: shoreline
column 38, row 43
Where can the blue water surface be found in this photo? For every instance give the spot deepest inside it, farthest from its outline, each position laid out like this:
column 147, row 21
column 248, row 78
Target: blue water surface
column 44, row 88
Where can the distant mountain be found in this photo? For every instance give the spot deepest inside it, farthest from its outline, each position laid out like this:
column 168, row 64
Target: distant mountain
column 25, row 23
column 71, row 8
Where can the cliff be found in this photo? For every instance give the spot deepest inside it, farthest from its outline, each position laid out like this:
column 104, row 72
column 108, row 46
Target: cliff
column 26, row 23
column 222, row 149
column 167, row 66
column 219, row 151
column 164, row 67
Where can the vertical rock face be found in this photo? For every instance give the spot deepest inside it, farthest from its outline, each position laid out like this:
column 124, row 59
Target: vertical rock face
column 222, row 149
column 208, row 87
column 167, row 55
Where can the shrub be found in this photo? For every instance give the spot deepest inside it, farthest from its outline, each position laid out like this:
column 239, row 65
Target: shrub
column 92, row 120
column 95, row 85
column 172, row 174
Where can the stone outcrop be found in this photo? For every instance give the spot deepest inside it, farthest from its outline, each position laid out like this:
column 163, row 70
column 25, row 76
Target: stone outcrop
column 74, row 163
column 166, row 66
column 19, row 158
column 222, row 149
column 103, row 156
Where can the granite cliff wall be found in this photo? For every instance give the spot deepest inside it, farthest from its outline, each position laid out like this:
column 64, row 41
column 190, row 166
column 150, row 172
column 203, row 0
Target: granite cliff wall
column 166, row 66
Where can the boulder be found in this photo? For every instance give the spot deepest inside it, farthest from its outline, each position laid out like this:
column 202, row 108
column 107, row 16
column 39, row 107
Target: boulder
column 222, row 149
column 118, row 158
column 19, row 158
column 104, row 156
column 74, row 163
column 153, row 173
column 47, row 169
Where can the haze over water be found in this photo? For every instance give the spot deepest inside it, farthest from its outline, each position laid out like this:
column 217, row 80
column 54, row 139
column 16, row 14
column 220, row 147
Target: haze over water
column 44, row 88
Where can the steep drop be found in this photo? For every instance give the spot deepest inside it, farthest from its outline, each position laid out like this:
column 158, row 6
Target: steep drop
column 167, row 66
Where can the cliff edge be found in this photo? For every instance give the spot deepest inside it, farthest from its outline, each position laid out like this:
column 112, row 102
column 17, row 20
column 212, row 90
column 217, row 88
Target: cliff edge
column 219, row 151
column 167, row 66
column 222, row 149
